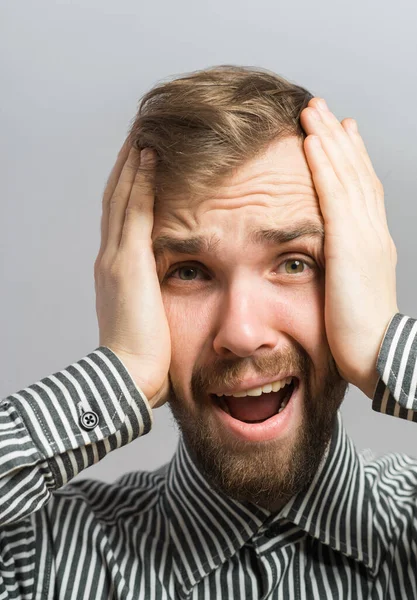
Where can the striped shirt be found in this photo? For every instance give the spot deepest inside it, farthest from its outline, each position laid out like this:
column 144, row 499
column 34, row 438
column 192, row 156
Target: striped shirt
column 167, row 534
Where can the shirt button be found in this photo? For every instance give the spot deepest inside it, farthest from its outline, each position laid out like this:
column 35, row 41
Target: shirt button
column 89, row 420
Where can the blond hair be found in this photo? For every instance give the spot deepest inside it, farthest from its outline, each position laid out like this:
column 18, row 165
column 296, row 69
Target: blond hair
column 205, row 124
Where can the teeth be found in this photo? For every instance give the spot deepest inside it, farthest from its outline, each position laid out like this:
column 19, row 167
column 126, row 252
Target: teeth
column 265, row 389
column 283, row 405
column 224, row 406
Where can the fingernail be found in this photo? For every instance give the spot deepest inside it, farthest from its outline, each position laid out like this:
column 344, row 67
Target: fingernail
column 321, row 104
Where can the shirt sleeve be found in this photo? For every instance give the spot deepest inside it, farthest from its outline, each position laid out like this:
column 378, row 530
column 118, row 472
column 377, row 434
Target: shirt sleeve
column 395, row 392
column 64, row 423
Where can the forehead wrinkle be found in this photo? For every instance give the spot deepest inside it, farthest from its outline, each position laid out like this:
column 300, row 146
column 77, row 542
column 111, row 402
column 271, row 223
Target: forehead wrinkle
column 287, row 184
column 166, row 244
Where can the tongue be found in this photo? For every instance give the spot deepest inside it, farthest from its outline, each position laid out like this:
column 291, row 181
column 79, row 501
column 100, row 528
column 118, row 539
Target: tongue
column 255, row 408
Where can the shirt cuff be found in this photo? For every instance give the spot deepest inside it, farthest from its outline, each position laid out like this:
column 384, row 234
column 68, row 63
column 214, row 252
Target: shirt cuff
column 85, row 403
column 395, row 392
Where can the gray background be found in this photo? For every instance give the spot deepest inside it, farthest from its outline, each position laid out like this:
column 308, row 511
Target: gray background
column 71, row 77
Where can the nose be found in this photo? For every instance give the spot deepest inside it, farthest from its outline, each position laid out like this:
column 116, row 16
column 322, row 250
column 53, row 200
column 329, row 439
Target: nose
column 245, row 323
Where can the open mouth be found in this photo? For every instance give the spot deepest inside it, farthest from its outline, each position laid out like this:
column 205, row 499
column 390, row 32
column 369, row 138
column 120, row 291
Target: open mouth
column 257, row 409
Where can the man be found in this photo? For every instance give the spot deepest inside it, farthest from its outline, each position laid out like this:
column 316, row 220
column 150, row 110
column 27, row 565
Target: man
column 246, row 275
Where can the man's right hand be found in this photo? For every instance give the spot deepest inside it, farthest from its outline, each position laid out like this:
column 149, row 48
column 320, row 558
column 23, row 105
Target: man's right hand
column 130, row 311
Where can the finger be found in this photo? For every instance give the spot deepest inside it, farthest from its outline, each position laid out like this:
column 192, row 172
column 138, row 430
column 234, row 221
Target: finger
column 342, row 167
column 329, row 189
column 119, row 201
column 139, row 218
column 348, row 128
column 116, row 170
column 347, row 162
column 351, row 129
column 108, row 193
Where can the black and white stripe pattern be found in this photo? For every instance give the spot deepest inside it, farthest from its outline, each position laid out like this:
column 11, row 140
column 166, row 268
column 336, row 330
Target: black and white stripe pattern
column 397, row 364
column 167, row 534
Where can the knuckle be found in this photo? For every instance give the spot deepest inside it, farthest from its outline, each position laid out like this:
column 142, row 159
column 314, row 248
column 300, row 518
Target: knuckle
column 393, row 249
column 132, row 163
column 379, row 186
column 114, row 273
column 354, row 180
column 97, row 264
column 131, row 212
column 145, row 176
column 114, row 201
column 140, row 187
column 98, row 273
column 105, row 268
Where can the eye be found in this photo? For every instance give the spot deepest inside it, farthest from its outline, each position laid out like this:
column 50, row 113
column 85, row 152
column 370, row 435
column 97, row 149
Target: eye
column 294, row 265
column 188, row 270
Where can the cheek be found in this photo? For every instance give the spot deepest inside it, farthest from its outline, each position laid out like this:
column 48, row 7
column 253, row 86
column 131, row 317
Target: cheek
column 188, row 325
column 307, row 325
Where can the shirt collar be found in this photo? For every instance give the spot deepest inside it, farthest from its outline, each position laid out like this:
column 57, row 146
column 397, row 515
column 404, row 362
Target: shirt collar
column 207, row 527
column 337, row 508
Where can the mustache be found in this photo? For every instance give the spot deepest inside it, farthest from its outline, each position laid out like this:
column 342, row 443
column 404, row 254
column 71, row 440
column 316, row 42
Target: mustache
column 230, row 373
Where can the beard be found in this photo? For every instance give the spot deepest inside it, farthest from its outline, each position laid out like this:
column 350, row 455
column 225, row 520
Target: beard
column 268, row 473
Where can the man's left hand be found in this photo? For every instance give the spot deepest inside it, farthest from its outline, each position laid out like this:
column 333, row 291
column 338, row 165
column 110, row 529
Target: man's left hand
column 360, row 255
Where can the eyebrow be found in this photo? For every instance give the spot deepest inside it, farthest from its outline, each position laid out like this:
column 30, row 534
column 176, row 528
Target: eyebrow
column 166, row 244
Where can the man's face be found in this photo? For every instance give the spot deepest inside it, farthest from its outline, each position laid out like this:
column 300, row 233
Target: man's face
column 246, row 311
